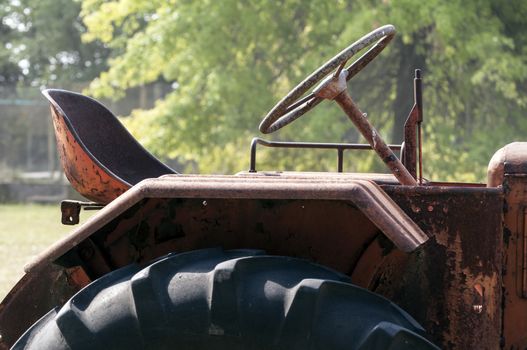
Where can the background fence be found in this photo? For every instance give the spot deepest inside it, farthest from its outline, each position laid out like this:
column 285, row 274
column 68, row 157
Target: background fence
column 29, row 165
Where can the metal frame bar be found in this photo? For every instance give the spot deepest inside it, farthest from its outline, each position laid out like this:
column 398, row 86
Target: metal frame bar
column 340, row 147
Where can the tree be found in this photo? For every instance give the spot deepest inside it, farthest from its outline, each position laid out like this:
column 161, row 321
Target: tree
column 475, row 69
column 41, row 47
column 10, row 73
column 43, row 44
column 230, row 61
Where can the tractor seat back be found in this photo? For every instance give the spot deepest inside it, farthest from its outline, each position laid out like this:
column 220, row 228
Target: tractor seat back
column 99, row 156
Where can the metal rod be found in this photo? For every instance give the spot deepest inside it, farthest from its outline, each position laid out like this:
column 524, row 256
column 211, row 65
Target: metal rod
column 340, row 155
column 252, row 166
column 372, row 136
column 419, row 142
column 412, row 130
column 418, row 98
column 418, row 93
column 309, row 145
column 409, row 158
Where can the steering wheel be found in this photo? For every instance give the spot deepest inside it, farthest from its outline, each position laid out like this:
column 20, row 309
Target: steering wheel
column 291, row 107
column 334, row 87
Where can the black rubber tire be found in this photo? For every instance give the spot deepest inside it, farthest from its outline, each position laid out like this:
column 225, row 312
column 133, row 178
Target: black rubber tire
column 214, row 299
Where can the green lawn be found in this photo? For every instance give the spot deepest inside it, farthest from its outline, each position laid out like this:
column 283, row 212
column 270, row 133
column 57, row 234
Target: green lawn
column 26, row 230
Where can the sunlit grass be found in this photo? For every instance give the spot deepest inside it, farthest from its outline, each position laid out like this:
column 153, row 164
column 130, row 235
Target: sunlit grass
column 26, row 230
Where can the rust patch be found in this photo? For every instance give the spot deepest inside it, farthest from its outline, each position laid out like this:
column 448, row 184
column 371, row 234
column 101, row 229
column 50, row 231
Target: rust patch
column 438, row 284
column 77, row 277
column 84, row 174
column 32, row 297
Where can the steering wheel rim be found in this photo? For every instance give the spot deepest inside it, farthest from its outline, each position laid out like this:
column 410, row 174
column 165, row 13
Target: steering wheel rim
column 292, row 106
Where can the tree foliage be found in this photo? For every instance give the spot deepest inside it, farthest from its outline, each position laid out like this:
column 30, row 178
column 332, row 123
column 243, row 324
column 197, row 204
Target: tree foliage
column 41, row 47
column 42, row 44
column 230, row 61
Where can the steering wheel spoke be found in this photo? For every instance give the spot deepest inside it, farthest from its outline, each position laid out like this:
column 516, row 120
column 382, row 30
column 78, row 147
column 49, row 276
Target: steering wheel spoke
column 295, row 111
column 339, row 69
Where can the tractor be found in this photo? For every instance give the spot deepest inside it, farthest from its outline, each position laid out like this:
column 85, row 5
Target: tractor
column 276, row 259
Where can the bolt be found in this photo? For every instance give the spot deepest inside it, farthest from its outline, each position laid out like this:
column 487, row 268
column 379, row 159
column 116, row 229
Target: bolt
column 479, row 296
column 416, row 209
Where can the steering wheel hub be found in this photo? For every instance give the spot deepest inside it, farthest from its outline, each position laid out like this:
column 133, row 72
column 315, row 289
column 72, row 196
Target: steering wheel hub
column 332, row 86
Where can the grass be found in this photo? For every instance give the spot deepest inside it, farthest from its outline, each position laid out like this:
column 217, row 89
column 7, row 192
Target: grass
column 26, row 230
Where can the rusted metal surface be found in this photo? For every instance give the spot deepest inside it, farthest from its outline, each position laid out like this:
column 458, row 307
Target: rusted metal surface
column 100, row 158
column 412, row 132
column 379, row 178
column 452, row 285
column 366, row 195
column 33, row 296
column 514, row 302
column 375, row 140
column 312, row 229
column 508, row 169
column 86, row 176
column 293, row 106
column 71, row 209
column 507, row 160
column 335, row 89
column 340, row 147
column 77, row 277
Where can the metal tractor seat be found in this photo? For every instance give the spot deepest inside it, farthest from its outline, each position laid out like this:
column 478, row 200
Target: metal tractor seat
column 101, row 159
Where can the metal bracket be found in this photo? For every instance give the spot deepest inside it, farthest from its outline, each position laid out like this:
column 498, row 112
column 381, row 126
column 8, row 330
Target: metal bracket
column 71, row 210
column 412, row 132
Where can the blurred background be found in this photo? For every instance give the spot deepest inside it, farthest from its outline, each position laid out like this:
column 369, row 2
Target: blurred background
column 192, row 79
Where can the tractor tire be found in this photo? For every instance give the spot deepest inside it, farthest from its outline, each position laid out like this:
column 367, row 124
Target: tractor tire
column 214, row 299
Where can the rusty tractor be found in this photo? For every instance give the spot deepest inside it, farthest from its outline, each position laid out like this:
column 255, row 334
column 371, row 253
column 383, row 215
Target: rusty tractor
column 272, row 259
